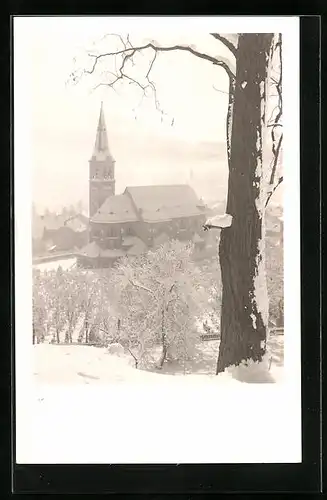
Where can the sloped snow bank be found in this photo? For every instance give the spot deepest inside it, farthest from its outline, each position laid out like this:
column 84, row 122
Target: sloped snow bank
column 64, row 364
column 256, row 373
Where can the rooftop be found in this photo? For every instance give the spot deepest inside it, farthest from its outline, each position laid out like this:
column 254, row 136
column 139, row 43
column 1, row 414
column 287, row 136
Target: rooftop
column 160, row 203
column 116, row 208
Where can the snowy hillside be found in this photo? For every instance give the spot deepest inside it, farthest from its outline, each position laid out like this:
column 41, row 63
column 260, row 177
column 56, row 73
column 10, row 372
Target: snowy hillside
column 72, row 364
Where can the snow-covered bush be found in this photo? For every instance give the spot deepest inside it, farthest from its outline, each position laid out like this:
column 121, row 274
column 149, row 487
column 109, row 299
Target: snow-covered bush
column 159, row 296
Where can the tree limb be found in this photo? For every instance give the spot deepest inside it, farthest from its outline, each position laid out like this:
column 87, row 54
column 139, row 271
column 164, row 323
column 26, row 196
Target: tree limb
column 276, row 152
column 280, row 180
column 141, row 287
column 277, row 82
column 226, row 42
column 184, row 48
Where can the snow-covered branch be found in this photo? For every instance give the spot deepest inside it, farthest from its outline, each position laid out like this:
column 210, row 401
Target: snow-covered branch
column 218, row 222
column 230, row 41
column 141, row 287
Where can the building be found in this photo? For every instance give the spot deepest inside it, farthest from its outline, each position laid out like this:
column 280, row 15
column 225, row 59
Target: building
column 140, row 218
column 58, row 232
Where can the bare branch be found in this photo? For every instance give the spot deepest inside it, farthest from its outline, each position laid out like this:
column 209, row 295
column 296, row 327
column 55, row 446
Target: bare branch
column 221, row 91
column 275, row 159
column 184, row 48
column 273, row 123
column 151, row 65
column 280, row 180
column 226, row 42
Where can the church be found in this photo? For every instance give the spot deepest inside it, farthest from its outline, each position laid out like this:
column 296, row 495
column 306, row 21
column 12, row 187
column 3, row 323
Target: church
column 140, row 218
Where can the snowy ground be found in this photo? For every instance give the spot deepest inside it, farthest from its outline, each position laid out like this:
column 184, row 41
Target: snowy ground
column 70, row 364
column 48, row 266
column 89, row 406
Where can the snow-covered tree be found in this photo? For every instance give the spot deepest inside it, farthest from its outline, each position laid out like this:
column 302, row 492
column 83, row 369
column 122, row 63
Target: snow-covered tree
column 55, row 283
column 71, row 285
column 159, row 296
column 40, row 307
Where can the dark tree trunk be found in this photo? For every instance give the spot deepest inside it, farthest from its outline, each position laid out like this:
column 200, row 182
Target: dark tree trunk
column 243, row 312
column 163, row 341
column 58, row 336
column 86, row 332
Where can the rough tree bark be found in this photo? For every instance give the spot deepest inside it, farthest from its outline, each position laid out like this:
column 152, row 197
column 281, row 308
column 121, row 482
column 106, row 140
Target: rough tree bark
column 244, row 312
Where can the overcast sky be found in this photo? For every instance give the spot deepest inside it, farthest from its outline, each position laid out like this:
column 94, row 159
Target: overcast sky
column 147, row 149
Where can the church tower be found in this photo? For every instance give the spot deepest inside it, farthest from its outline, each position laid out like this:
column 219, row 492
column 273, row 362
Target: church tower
column 101, row 169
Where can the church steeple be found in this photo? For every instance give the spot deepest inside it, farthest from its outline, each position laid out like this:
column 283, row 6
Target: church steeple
column 102, row 168
column 101, row 148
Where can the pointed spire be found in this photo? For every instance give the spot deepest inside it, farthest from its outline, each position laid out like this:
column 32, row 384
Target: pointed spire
column 101, row 148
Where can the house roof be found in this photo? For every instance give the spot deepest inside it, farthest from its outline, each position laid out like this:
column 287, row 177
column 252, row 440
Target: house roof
column 116, row 208
column 77, row 223
column 53, row 222
column 160, row 203
column 50, row 222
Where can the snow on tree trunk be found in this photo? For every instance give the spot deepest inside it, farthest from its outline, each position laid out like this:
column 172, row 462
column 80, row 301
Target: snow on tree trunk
column 244, row 312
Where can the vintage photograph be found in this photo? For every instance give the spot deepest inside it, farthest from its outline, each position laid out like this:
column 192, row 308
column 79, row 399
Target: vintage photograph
column 157, row 204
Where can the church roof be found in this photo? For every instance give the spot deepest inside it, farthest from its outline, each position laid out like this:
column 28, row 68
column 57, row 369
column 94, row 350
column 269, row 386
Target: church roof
column 116, row 208
column 160, row 203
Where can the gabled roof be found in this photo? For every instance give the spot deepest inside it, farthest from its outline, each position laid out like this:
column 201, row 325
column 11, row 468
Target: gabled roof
column 116, row 208
column 160, row 203
column 77, row 223
column 49, row 222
